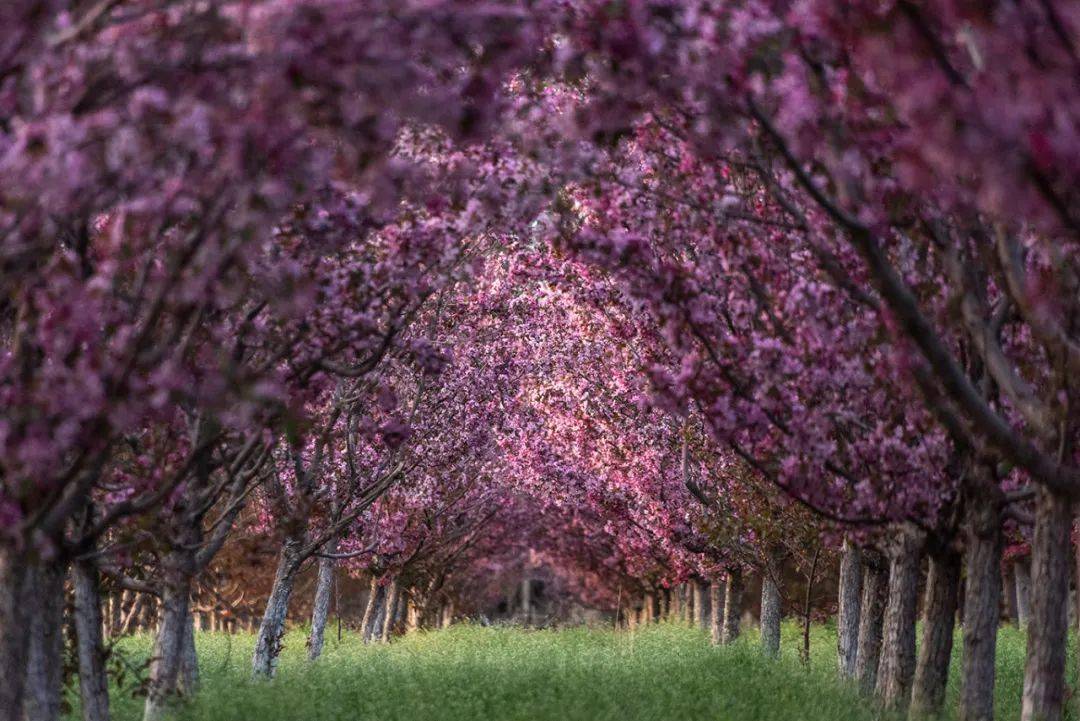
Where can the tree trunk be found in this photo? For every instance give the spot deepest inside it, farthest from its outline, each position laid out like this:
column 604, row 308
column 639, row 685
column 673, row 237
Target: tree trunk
column 939, row 620
column 167, row 658
column 378, row 600
column 847, row 618
column 526, row 601
column 1044, row 671
column 369, row 607
column 771, row 611
column 981, row 607
column 649, row 608
column 189, row 659
column 93, row 683
column 896, row 667
column 324, row 586
column 389, row 612
column 700, row 590
column 875, row 594
column 14, row 635
column 716, row 613
column 732, row 606
column 264, row 661
column 1022, row 571
column 45, row 663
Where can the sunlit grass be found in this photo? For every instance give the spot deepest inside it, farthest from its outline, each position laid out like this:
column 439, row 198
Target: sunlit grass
column 474, row 673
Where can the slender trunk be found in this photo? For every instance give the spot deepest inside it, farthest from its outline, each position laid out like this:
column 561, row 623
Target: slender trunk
column 939, row 620
column 701, row 620
column 732, row 606
column 321, row 611
column 804, row 653
column 770, row 606
column 1044, row 672
column 369, row 629
column 875, row 594
column 847, row 620
column 268, row 642
column 369, row 608
column 526, row 601
column 981, row 605
column 896, row 667
column 389, row 611
column 45, row 663
column 1022, row 570
column 168, row 651
column 93, row 683
column 716, row 615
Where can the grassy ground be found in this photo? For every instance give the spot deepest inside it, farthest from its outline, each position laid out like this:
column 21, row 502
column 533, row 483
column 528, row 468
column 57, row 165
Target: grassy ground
column 470, row 673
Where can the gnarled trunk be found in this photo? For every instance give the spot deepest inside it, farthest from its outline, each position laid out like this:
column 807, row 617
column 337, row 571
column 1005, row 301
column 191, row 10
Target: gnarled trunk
column 93, row 683
column 847, row 617
column 771, row 611
column 875, row 594
column 939, row 620
column 732, row 606
column 896, row 667
column 1044, row 671
column 716, row 614
column 44, row 664
column 264, row 661
column 981, row 603
column 324, row 586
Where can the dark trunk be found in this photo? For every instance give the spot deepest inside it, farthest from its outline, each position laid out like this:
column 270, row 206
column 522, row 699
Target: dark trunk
column 1022, row 570
column 1044, row 671
column 732, row 606
column 847, row 620
column 45, row 662
column 875, row 593
column 93, row 683
column 189, row 659
column 939, row 620
column 981, row 603
column 896, row 668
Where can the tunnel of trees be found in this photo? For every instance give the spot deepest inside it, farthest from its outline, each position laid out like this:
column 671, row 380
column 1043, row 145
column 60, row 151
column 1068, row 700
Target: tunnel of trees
column 408, row 311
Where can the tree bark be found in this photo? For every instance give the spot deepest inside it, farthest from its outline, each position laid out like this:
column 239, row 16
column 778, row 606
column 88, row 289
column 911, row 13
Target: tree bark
column 716, row 611
column 167, row 658
column 369, row 607
column 771, row 610
column 14, row 635
column 189, row 659
column 1022, row 571
column 700, row 617
column 875, row 594
column 982, row 599
column 45, row 664
column 93, row 683
column 1044, row 671
column 896, row 668
column 389, row 612
column 1008, row 590
column 264, row 661
column 850, row 598
column 732, row 606
column 939, row 620
column 324, row 586
column 379, row 599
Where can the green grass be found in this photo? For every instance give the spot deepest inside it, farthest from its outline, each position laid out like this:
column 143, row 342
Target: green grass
column 470, row 673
